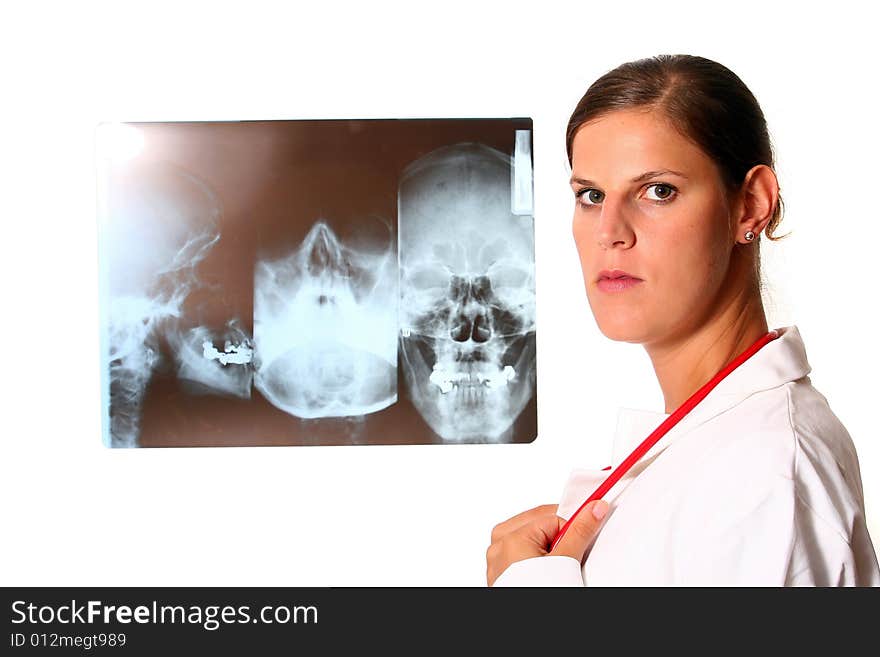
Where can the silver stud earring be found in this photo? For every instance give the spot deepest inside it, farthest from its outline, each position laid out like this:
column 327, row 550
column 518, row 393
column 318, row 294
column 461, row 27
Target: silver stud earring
column 749, row 236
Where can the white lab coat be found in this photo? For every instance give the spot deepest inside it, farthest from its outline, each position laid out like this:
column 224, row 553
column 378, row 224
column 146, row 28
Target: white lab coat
column 757, row 485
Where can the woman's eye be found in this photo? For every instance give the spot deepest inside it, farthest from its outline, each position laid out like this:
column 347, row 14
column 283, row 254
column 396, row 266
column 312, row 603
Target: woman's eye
column 660, row 192
column 590, row 196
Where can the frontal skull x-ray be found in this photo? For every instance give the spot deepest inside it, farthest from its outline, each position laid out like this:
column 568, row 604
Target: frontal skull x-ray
column 467, row 289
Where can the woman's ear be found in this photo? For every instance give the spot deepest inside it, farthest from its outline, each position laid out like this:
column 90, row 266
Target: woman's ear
column 759, row 196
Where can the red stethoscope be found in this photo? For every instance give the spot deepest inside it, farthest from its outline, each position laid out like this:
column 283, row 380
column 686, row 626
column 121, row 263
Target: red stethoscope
column 664, row 427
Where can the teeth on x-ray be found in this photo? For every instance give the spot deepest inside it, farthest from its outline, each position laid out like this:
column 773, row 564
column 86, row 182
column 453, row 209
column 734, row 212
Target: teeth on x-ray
column 446, row 381
column 161, row 225
column 325, row 328
column 205, row 369
column 238, row 354
column 467, row 286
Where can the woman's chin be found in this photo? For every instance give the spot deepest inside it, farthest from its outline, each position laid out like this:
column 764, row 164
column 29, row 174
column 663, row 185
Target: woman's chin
column 622, row 331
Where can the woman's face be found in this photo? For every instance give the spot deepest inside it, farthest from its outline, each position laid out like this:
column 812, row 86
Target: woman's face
column 652, row 204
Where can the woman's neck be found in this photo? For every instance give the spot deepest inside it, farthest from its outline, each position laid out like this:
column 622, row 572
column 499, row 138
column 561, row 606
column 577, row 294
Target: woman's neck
column 683, row 364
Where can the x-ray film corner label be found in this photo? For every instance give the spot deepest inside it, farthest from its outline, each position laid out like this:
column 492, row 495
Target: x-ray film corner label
column 521, row 185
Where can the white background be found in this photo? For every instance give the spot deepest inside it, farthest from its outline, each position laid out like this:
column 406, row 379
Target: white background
column 73, row 512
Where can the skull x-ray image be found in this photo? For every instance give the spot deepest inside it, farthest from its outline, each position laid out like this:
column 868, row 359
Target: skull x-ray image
column 344, row 282
column 170, row 227
column 467, row 281
column 325, row 325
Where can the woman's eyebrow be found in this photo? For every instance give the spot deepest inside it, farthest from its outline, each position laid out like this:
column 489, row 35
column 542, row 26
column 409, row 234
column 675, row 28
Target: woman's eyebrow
column 641, row 178
column 655, row 174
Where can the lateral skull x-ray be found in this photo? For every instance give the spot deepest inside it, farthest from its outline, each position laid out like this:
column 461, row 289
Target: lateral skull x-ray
column 366, row 328
column 169, row 226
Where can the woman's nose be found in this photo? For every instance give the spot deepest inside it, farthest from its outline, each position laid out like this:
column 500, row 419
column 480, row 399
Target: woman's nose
column 614, row 229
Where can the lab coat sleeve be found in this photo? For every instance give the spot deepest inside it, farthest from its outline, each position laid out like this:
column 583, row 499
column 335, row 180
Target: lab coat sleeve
column 742, row 537
column 824, row 557
column 542, row 571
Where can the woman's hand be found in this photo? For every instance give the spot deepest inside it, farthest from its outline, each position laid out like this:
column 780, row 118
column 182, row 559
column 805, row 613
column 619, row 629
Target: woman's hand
column 530, row 533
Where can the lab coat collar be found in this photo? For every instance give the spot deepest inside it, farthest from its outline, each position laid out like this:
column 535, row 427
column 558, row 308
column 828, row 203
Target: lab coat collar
column 778, row 362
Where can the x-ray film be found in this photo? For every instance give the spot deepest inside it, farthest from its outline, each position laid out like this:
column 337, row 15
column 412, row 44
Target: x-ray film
column 334, row 282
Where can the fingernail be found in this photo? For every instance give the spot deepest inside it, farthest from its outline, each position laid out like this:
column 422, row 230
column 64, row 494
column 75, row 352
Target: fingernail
column 600, row 508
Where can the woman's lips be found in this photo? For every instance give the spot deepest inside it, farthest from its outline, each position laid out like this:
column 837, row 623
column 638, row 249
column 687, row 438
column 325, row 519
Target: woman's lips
column 616, row 282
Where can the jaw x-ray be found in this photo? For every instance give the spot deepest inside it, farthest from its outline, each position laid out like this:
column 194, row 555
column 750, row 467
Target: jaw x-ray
column 317, row 282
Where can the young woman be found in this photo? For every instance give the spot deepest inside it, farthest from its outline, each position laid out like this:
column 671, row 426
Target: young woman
column 759, row 483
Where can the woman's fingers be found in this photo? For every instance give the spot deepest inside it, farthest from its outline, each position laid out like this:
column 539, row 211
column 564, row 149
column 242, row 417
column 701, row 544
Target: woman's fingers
column 531, row 533
column 512, row 524
column 531, row 539
column 582, row 531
